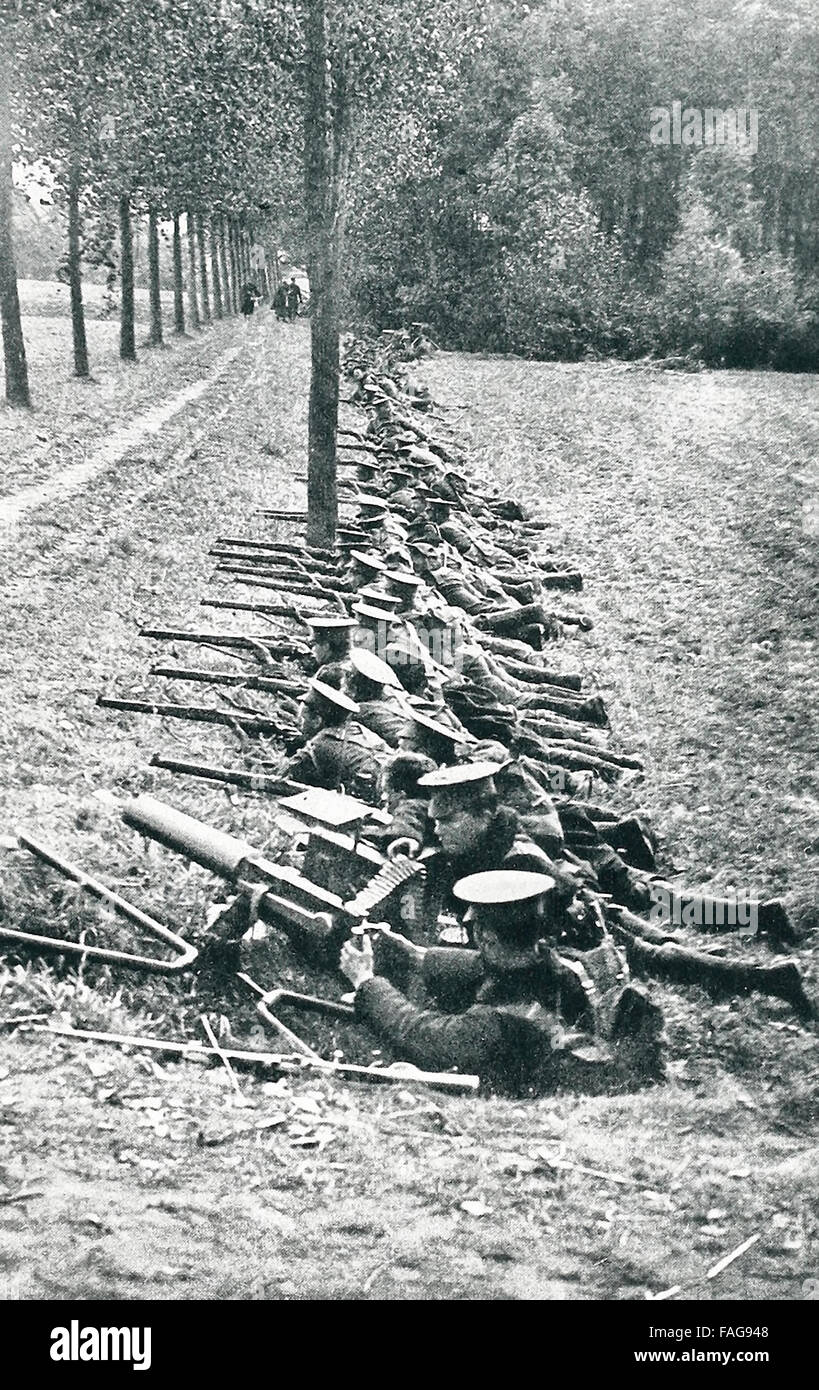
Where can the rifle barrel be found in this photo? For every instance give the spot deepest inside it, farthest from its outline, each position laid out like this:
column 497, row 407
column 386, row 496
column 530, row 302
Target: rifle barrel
column 202, row 714
column 240, row 679
column 233, row 776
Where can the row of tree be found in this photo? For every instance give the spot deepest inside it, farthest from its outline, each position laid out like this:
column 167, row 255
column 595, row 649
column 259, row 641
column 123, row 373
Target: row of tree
column 137, row 111
column 239, row 119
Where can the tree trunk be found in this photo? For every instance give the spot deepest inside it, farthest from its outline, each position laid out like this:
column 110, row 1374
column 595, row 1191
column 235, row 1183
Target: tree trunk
column 235, row 269
column 14, row 348
column 203, row 267
column 193, row 306
column 322, row 494
column 127, row 330
column 154, row 297
column 214, row 270
column 75, row 271
column 223, row 261
column 178, row 279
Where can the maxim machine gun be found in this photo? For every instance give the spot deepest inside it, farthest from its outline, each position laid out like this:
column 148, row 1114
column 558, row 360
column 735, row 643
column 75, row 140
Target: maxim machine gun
column 316, row 916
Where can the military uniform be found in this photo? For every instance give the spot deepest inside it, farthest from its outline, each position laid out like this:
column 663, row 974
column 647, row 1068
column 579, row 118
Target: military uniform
column 348, row 758
column 527, row 1018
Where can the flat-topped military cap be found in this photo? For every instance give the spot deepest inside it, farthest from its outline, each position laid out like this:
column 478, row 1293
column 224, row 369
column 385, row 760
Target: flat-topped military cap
column 403, row 579
column 368, row 561
column 369, row 614
column 462, row 775
column 434, row 726
column 336, row 623
column 401, row 650
column 512, row 909
column 500, row 887
column 334, row 697
column 369, row 499
column 369, row 520
column 379, row 599
column 422, row 454
column 368, row 664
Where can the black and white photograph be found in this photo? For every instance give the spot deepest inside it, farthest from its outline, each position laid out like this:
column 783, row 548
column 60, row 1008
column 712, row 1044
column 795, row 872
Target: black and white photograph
column 409, row 813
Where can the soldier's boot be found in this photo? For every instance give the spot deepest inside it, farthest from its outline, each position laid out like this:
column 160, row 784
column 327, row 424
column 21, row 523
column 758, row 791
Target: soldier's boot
column 560, row 579
column 785, row 981
column 521, row 590
column 637, row 1036
column 708, row 913
column 513, row 621
column 590, row 711
column 519, row 666
column 631, row 841
column 773, row 921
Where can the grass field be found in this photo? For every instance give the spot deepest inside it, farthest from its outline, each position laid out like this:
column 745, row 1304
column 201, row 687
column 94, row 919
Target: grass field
column 680, row 497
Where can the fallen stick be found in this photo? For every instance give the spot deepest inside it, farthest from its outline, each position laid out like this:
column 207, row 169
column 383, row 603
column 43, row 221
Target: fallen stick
column 590, row 1172
column 211, row 1037
column 734, row 1255
column 709, row 1274
column 453, row 1082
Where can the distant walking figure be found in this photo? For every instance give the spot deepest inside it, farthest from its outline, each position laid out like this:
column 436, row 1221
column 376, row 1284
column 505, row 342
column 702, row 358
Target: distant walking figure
column 250, row 294
column 293, row 298
column 280, row 302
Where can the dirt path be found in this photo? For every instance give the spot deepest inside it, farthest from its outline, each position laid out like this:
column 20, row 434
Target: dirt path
column 147, row 1180
column 116, row 445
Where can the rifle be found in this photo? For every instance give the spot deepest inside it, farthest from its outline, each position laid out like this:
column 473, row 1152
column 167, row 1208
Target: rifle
column 279, row 547
column 230, row 641
column 240, row 679
column 280, row 1064
column 203, row 714
column 233, row 776
column 271, row 559
column 241, row 575
column 271, row 610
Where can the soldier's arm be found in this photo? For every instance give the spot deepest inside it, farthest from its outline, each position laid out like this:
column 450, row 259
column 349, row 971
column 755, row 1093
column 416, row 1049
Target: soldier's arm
column 451, row 975
column 470, row 1041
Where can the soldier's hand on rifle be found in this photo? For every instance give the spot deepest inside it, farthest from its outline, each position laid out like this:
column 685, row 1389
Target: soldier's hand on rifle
column 404, row 845
column 357, row 965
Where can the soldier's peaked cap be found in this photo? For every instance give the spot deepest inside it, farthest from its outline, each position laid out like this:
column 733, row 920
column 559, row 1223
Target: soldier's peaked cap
column 332, row 696
column 443, row 731
column 367, row 611
column 369, row 499
column 463, row 775
column 334, row 624
column 405, row 579
column 371, row 666
column 367, row 561
column 379, row 599
column 501, row 887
